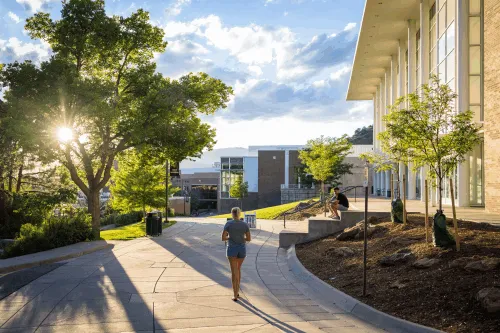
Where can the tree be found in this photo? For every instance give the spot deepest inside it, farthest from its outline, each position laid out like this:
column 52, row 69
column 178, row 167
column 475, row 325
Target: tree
column 138, row 184
column 323, row 157
column 429, row 132
column 101, row 93
column 362, row 136
column 239, row 190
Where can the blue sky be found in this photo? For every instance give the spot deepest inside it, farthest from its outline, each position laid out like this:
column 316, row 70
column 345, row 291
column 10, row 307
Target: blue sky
column 288, row 61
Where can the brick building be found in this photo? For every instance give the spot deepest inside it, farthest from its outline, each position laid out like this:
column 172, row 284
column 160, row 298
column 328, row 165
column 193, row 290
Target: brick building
column 400, row 44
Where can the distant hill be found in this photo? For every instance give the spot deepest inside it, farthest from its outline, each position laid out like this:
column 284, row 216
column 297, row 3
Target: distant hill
column 210, row 157
column 362, row 136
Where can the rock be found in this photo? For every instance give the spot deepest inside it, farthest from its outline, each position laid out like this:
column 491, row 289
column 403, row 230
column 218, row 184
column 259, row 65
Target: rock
column 348, row 233
column 484, row 265
column 397, row 285
column 489, row 299
column 460, row 262
column 396, row 259
column 372, row 220
column 425, row 263
column 370, row 231
column 344, row 251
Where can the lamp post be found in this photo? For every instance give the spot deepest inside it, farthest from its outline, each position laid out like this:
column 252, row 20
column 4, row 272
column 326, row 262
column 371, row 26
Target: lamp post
column 365, row 240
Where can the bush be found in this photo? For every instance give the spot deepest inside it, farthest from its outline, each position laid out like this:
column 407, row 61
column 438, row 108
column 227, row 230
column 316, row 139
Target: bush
column 122, row 219
column 53, row 233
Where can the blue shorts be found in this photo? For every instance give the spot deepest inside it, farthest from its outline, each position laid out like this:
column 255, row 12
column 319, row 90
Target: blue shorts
column 237, row 251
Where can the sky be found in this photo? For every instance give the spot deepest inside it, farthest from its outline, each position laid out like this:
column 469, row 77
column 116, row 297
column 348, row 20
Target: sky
column 288, row 61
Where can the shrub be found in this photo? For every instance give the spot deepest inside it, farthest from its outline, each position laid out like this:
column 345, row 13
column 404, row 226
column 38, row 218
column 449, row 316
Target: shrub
column 53, row 233
column 122, row 219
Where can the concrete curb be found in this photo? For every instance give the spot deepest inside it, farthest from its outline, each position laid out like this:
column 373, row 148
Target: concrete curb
column 51, row 256
column 328, row 294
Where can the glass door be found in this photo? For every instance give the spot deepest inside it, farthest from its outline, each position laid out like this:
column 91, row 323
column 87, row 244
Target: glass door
column 476, row 165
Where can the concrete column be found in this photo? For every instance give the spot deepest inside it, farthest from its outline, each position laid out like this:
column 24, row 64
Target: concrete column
column 287, row 167
column 387, row 86
column 387, row 184
column 461, row 72
column 401, row 173
column 412, row 183
column 401, row 59
column 394, row 78
column 424, row 41
column 412, row 44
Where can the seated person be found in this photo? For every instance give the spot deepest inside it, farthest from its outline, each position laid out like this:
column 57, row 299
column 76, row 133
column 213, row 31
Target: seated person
column 338, row 202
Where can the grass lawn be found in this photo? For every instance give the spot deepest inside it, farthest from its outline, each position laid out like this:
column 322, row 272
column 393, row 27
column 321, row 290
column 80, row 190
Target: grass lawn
column 270, row 213
column 130, row 231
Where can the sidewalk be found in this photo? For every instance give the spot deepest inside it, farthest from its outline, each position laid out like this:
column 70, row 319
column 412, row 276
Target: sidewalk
column 380, row 204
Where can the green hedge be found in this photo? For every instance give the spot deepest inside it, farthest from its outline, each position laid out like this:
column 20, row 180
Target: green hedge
column 53, row 233
column 122, row 219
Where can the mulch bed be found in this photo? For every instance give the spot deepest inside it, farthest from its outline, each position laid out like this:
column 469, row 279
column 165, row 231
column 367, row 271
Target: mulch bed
column 439, row 296
column 316, row 210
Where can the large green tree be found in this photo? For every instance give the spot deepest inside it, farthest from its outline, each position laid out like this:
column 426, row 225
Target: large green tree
column 324, row 156
column 101, row 93
column 138, row 183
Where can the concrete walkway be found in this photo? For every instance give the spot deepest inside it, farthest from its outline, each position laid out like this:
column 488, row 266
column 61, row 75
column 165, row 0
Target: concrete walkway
column 179, row 282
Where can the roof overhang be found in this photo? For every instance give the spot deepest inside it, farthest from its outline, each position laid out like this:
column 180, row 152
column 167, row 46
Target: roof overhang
column 384, row 23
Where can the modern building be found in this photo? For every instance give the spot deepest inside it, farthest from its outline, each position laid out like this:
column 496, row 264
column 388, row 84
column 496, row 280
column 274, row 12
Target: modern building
column 274, row 174
column 401, row 43
column 202, row 183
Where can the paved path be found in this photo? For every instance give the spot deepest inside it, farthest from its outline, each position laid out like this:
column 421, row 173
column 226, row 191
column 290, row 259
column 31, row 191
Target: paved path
column 179, row 282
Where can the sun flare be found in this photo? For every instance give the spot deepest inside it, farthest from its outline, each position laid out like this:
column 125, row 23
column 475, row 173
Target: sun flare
column 64, row 134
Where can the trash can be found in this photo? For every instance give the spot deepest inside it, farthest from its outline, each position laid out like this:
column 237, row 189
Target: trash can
column 160, row 224
column 149, row 224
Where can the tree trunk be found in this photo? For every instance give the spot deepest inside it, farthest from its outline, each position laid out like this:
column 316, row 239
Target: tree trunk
column 440, row 194
column 11, row 180
column 167, row 172
column 95, row 211
column 19, row 178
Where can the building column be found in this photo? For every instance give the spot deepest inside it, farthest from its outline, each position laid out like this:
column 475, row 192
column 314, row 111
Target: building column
column 412, row 45
column 387, row 184
column 401, row 174
column 462, row 71
column 401, row 59
column 424, row 41
column 412, row 183
column 394, row 78
column 423, row 176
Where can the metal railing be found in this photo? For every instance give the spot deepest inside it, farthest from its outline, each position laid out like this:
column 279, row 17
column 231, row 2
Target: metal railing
column 295, row 210
column 297, row 187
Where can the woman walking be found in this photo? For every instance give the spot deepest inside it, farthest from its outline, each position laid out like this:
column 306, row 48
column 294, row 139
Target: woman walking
column 237, row 233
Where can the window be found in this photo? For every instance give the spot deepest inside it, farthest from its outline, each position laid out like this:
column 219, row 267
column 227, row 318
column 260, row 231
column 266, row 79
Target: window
column 476, row 58
column 432, row 40
column 232, row 168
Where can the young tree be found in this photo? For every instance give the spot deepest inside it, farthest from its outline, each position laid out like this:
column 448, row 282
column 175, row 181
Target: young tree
column 323, row 156
column 239, row 190
column 99, row 94
column 138, row 184
column 430, row 132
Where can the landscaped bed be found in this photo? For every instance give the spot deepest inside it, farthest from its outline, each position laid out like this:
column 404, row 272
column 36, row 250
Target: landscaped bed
column 130, row 231
column 443, row 296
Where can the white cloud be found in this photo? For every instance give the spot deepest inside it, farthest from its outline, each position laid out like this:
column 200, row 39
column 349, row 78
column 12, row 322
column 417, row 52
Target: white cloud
column 350, row 26
column 255, row 70
column 269, row 2
column 186, row 47
column 251, row 44
column 14, row 49
column 243, row 133
column 176, row 8
column 340, row 72
column 34, row 5
column 14, row 17
column 285, row 14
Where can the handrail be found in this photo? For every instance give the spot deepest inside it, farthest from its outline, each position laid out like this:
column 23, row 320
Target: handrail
column 289, row 212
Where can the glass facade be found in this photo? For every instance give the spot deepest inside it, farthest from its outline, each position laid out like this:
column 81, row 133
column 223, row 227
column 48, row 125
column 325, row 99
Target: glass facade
column 446, row 42
column 231, row 169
